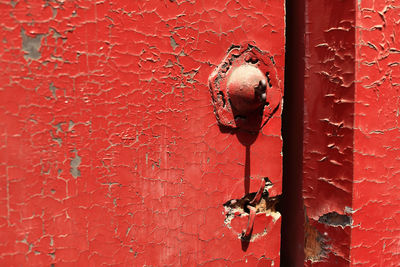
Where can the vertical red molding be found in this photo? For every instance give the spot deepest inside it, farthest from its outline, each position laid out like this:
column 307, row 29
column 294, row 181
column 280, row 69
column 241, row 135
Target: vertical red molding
column 375, row 238
column 351, row 165
column 328, row 131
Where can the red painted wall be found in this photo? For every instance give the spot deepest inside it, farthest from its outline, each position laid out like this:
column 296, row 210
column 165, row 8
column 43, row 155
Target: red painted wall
column 375, row 238
column 110, row 152
column 350, row 153
column 109, row 148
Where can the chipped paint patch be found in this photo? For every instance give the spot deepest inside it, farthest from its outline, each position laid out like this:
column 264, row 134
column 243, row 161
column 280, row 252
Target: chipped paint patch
column 31, row 45
column 335, row 219
column 237, row 208
column 75, row 162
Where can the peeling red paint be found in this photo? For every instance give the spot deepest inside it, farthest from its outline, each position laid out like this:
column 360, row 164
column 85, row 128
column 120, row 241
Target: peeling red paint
column 110, row 152
column 375, row 238
column 328, row 122
column 351, row 139
column 109, row 149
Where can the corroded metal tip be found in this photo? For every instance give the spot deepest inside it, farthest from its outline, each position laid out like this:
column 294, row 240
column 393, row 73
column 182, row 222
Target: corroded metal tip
column 263, row 83
column 264, row 96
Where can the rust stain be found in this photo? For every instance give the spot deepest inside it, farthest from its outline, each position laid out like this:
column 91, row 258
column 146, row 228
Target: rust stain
column 314, row 244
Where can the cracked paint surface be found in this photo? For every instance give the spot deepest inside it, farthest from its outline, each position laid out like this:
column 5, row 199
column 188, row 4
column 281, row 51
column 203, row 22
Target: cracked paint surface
column 109, row 149
column 375, row 238
column 328, row 125
column 351, row 164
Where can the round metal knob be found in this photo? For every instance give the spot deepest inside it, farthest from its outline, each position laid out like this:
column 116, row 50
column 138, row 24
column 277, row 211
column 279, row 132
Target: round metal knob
column 246, row 87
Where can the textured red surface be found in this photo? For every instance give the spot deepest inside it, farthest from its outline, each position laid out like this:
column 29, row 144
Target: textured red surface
column 328, row 119
column 351, row 134
column 375, row 238
column 109, row 149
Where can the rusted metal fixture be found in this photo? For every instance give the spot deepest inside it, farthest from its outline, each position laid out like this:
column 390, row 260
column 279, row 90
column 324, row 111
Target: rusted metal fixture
column 252, row 210
column 245, row 89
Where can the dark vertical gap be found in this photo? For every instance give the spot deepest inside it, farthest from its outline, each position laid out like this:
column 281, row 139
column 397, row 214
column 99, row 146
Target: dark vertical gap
column 247, row 171
column 292, row 233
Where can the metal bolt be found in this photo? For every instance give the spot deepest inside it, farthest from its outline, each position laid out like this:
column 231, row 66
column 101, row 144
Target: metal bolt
column 246, row 87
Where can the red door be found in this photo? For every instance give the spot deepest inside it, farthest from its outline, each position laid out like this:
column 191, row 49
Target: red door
column 148, row 133
column 111, row 151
